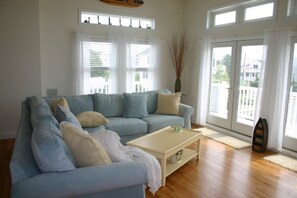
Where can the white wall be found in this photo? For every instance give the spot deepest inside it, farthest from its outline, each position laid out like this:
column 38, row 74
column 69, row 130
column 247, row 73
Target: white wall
column 59, row 21
column 19, row 59
column 36, row 43
column 195, row 24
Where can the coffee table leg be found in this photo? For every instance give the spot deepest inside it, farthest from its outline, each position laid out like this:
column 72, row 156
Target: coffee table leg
column 163, row 170
column 198, row 149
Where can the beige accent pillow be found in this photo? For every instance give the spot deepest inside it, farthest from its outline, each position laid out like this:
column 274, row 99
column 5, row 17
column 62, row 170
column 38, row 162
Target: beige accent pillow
column 87, row 151
column 168, row 103
column 55, row 102
column 91, row 119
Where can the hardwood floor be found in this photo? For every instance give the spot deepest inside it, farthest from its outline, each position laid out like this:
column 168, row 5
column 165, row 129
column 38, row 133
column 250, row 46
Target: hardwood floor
column 226, row 172
column 221, row 172
column 6, row 147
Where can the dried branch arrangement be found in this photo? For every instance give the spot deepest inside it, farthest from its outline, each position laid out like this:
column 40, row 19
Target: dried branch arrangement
column 179, row 51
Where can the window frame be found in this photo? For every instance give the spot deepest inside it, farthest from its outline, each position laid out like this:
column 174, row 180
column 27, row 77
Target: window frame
column 87, row 71
column 109, row 15
column 148, row 69
column 240, row 9
column 292, row 8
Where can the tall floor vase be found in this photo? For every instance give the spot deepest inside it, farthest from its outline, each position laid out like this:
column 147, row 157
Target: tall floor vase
column 177, row 85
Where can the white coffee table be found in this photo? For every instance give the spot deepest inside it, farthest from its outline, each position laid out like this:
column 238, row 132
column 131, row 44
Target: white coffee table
column 164, row 143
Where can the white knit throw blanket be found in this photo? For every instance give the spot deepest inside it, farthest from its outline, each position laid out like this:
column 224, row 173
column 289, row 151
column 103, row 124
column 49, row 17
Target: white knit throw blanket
column 119, row 153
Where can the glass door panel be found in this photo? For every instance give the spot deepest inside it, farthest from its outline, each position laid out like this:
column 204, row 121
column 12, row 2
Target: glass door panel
column 250, row 69
column 249, row 63
column 220, row 82
column 290, row 135
column 291, row 126
column 219, row 110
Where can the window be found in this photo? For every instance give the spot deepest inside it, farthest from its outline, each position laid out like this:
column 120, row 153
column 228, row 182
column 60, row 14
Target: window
column 292, row 8
column 96, row 59
column 139, row 66
column 116, row 20
column 225, row 18
column 248, row 11
column 120, row 65
column 258, row 12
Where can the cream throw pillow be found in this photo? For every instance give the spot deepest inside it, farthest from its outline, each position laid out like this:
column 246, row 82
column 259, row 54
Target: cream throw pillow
column 91, row 119
column 55, row 102
column 87, row 151
column 168, row 103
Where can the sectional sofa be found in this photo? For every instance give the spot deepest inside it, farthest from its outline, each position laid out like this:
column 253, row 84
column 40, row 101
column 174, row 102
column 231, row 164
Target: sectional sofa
column 123, row 179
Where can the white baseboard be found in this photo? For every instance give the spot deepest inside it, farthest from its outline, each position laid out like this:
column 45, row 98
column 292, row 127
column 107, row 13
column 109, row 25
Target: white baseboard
column 289, row 153
column 231, row 133
column 7, row 135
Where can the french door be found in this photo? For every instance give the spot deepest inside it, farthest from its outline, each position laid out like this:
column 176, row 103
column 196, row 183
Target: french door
column 235, row 73
column 290, row 135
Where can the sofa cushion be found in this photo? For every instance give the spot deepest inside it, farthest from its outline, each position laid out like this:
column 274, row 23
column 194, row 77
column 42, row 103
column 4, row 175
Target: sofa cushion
column 156, row 122
column 39, row 109
column 49, row 150
column 152, row 99
column 87, row 150
column 77, row 104
column 168, row 104
column 109, row 105
column 64, row 114
column 55, row 102
column 91, row 119
column 126, row 126
column 94, row 129
column 135, row 106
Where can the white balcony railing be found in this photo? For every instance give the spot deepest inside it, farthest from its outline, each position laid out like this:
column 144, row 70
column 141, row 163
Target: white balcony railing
column 247, row 105
column 246, row 101
column 97, row 85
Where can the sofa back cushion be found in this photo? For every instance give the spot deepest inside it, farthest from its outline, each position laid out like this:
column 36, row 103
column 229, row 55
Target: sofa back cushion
column 135, row 106
column 22, row 164
column 64, row 114
column 109, row 105
column 77, row 104
column 39, row 109
column 49, row 150
column 152, row 99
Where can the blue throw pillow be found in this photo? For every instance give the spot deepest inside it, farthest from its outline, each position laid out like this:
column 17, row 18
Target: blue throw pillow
column 135, row 106
column 49, row 150
column 64, row 114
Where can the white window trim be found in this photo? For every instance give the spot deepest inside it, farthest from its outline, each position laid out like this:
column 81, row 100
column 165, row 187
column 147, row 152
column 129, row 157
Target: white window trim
column 140, row 18
column 240, row 12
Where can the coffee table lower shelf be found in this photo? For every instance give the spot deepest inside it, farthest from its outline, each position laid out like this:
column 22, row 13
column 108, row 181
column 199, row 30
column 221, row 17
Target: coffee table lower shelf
column 187, row 155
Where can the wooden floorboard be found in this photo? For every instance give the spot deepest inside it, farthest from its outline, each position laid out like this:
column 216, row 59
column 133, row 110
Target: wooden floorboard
column 223, row 171
column 6, row 147
column 220, row 172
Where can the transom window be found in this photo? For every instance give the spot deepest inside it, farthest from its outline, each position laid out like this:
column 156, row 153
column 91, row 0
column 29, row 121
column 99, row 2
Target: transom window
column 241, row 12
column 116, row 20
column 292, row 8
column 258, row 12
column 225, row 18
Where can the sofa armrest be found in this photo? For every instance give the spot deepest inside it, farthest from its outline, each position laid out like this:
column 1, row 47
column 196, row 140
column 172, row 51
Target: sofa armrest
column 186, row 112
column 82, row 181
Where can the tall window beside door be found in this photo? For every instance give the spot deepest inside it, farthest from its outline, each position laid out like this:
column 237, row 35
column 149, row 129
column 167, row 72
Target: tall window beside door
column 116, row 65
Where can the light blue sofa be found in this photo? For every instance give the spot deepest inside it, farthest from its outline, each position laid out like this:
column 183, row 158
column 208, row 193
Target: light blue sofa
column 114, row 180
